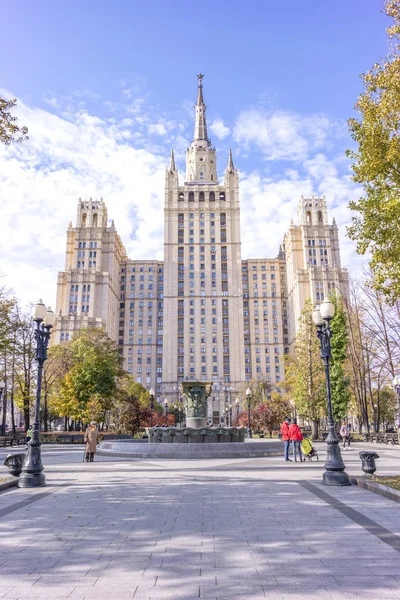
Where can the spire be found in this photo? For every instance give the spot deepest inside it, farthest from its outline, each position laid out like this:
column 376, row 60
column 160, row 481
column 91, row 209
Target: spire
column 200, row 99
column 172, row 168
column 230, row 168
column 200, row 126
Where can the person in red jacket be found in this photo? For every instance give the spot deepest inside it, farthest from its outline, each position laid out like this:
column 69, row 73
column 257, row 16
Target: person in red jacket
column 296, row 436
column 286, row 437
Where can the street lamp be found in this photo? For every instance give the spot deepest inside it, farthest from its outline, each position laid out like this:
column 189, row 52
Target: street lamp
column 248, row 398
column 166, row 407
column 151, row 406
column 334, row 466
column 2, row 386
column 237, row 410
column 230, row 415
column 396, row 385
column 227, row 416
column 44, row 319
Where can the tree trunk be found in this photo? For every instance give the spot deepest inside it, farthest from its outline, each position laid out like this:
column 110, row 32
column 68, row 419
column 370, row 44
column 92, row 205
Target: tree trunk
column 314, row 429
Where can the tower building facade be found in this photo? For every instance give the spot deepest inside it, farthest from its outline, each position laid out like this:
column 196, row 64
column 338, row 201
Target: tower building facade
column 203, row 313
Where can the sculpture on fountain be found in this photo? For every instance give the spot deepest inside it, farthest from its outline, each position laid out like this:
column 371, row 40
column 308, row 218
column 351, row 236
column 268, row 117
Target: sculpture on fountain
column 195, row 395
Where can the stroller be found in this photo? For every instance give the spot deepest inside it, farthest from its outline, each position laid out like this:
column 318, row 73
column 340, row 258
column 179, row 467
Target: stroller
column 308, row 449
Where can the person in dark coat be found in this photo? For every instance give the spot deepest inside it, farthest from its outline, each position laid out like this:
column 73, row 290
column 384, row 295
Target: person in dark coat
column 286, row 437
column 91, row 439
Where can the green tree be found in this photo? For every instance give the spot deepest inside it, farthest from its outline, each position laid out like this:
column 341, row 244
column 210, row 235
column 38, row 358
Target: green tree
column 9, row 130
column 89, row 386
column 376, row 227
column 340, row 383
column 305, row 377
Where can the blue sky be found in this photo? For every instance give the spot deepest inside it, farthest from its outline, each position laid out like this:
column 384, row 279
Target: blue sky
column 106, row 88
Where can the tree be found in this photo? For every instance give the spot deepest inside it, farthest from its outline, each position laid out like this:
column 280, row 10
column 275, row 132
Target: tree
column 376, row 228
column 260, row 391
column 269, row 414
column 89, row 386
column 132, row 410
column 305, row 377
column 59, row 361
column 340, row 383
column 9, row 130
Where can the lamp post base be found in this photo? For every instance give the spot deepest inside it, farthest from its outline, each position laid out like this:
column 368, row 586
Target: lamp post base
column 335, row 478
column 335, row 473
column 31, row 480
column 32, row 469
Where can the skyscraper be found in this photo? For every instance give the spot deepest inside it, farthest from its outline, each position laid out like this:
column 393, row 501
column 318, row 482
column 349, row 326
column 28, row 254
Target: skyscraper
column 203, row 313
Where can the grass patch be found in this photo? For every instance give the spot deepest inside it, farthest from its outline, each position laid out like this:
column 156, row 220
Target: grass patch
column 393, row 482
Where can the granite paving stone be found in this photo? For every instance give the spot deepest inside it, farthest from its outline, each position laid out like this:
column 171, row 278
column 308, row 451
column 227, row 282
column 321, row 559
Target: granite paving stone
column 229, row 528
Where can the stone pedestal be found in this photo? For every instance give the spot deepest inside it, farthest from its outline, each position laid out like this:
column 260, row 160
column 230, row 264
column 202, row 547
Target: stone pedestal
column 196, row 422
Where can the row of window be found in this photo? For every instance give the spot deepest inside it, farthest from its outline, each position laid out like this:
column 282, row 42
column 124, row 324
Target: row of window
column 81, row 264
column 90, row 245
column 201, row 196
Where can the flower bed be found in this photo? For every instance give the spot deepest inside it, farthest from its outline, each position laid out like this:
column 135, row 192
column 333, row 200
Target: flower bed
column 76, row 437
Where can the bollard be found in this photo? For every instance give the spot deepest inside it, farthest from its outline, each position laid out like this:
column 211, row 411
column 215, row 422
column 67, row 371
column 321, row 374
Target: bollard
column 368, row 462
column 14, row 463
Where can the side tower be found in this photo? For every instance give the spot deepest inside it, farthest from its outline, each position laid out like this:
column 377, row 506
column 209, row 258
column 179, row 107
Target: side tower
column 312, row 258
column 88, row 291
column 203, row 309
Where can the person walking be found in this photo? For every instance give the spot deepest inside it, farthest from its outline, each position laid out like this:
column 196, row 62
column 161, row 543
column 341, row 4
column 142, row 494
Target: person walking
column 296, row 438
column 344, row 432
column 28, row 435
column 286, row 437
column 91, row 439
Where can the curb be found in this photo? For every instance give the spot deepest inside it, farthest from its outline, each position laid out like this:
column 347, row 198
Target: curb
column 377, row 488
column 177, row 457
column 10, row 483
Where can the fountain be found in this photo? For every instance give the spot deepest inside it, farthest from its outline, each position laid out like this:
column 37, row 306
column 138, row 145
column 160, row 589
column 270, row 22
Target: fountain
column 196, row 394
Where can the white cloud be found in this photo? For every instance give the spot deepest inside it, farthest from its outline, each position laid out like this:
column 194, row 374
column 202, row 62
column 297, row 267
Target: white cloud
column 282, row 135
column 157, row 128
column 219, row 129
column 41, row 180
column 83, row 155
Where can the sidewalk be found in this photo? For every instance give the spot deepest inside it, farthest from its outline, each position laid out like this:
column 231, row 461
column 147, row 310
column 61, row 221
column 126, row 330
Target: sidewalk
column 219, row 529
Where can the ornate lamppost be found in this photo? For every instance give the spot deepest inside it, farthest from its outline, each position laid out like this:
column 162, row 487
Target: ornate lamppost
column 230, row 415
column 151, row 406
column 237, row 410
column 166, row 409
column 227, row 416
column 248, row 398
column 396, row 386
column 334, row 466
column 2, row 386
column 31, row 475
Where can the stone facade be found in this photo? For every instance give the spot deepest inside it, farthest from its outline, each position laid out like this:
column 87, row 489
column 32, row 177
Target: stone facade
column 203, row 313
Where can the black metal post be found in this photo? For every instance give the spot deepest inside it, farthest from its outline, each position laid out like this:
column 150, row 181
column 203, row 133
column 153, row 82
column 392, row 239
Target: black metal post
column 3, row 429
column 230, row 415
column 237, row 413
column 334, row 466
column 248, row 416
column 397, row 388
column 32, row 475
column 151, row 409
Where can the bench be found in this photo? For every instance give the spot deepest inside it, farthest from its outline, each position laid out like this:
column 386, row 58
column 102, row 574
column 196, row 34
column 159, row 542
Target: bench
column 12, row 440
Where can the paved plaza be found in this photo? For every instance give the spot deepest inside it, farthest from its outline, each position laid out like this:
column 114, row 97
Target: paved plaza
column 213, row 529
